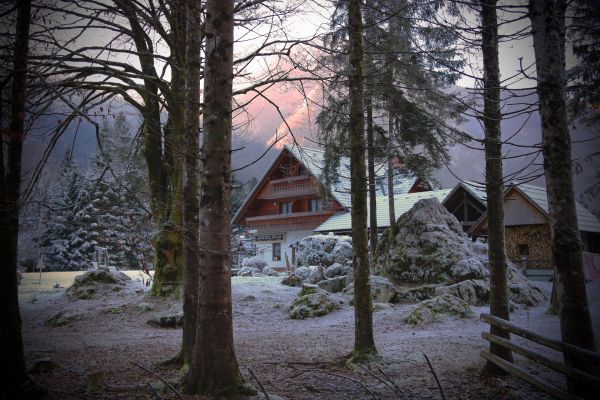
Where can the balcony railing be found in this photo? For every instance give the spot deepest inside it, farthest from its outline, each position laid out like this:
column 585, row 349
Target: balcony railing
column 290, row 187
column 288, row 222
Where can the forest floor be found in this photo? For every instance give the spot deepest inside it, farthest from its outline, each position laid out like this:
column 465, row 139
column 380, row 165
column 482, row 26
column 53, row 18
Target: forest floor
column 294, row 359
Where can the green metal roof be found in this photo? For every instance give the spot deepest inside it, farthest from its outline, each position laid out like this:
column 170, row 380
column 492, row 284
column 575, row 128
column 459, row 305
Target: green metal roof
column 342, row 221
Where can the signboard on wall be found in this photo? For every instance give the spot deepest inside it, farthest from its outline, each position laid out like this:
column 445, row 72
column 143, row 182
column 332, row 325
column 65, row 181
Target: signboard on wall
column 268, row 237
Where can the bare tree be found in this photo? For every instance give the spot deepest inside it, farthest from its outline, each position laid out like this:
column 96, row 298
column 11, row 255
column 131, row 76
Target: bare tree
column 548, row 20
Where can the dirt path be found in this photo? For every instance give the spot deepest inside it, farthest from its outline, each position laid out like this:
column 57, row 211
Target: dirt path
column 294, row 359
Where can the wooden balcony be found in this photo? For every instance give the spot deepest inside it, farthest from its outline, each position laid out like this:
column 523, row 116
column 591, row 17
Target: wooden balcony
column 296, row 186
column 288, row 222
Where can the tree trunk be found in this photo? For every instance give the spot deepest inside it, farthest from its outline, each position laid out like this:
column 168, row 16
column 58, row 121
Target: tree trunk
column 494, row 178
column 372, row 188
column 547, row 18
column 191, row 202
column 11, row 146
column 214, row 369
column 165, row 177
column 364, row 344
column 370, row 21
column 390, row 174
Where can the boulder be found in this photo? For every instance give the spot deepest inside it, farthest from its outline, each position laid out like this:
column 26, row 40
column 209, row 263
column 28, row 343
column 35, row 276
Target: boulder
column 312, row 303
column 248, row 271
column 324, row 250
column 337, row 269
column 342, row 251
column 291, row 280
column 97, row 283
column 429, row 310
column 42, row 366
column 269, row 271
column 167, row 320
column 382, row 290
column 316, row 274
column 333, row 285
column 475, row 292
column 430, row 250
column 302, row 272
column 414, row 294
column 62, row 318
column 254, row 262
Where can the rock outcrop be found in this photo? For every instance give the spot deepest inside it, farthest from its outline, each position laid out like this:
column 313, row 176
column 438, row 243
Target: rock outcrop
column 312, row 302
column 97, row 283
column 431, row 253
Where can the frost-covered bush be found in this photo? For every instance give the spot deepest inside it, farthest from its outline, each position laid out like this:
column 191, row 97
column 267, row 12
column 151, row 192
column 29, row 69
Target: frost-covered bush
column 254, row 262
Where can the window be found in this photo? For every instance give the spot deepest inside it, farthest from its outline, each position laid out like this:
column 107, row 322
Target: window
column 523, row 251
column 276, row 251
column 314, row 205
column 285, row 207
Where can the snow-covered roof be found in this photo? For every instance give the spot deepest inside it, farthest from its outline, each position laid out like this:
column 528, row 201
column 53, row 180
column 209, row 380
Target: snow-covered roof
column 342, row 221
column 538, row 195
column 314, row 160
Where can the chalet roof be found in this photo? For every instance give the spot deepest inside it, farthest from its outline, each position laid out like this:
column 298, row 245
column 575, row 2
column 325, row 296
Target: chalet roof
column 314, row 161
column 538, row 196
column 342, row 221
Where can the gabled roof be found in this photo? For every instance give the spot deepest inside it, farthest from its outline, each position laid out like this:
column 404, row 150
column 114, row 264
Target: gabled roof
column 314, row 161
column 342, row 221
column 538, row 197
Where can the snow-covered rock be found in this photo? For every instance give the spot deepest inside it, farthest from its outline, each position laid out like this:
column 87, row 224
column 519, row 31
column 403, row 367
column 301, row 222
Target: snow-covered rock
column 63, row 318
column 382, row 290
column 248, row 271
column 316, row 274
column 167, row 320
column 254, row 262
column 333, row 285
column 302, row 272
column 97, row 283
column 324, row 250
column 337, row 269
column 429, row 310
column 431, row 249
column 312, row 302
column 269, row 271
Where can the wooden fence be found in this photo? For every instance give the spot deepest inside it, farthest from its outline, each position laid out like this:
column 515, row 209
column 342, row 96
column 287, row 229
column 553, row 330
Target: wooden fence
column 590, row 357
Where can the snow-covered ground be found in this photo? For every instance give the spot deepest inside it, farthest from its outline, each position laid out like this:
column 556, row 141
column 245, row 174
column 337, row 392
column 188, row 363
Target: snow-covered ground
column 292, row 358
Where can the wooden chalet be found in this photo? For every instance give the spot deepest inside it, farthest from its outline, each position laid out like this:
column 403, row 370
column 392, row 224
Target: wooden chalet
column 287, row 204
column 527, row 227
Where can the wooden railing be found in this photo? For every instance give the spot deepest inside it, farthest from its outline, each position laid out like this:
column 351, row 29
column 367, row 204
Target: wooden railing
column 589, row 357
column 288, row 222
column 295, row 186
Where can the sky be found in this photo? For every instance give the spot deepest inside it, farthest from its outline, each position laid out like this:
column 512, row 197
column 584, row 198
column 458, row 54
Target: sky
column 267, row 122
column 466, row 163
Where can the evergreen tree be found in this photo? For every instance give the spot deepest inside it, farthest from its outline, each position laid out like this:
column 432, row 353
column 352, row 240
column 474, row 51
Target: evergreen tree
column 105, row 208
column 58, row 239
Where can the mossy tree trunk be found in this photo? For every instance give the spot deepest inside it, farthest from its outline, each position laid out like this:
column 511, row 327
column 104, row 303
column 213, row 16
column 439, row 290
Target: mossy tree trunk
column 11, row 145
column 547, row 20
column 214, row 367
column 364, row 344
column 494, row 178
